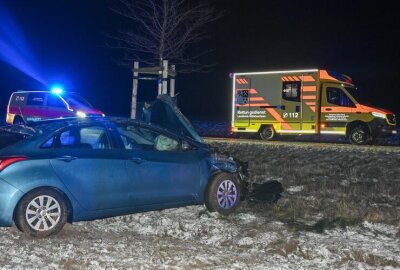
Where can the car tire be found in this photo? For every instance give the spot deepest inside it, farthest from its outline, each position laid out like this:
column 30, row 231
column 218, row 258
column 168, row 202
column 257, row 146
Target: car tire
column 267, row 133
column 223, row 194
column 358, row 135
column 41, row 213
column 18, row 120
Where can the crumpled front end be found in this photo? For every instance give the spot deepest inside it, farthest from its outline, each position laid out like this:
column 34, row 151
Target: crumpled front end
column 228, row 164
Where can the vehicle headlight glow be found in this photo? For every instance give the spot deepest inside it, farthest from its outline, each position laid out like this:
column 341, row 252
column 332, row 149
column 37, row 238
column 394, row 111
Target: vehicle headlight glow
column 80, row 114
column 378, row 114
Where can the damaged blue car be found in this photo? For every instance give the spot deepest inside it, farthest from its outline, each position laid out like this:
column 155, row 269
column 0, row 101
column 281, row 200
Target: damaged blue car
column 75, row 169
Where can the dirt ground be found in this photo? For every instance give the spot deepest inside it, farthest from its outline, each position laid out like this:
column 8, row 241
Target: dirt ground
column 340, row 210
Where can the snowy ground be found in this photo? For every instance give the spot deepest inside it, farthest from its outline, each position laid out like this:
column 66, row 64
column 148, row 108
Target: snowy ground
column 280, row 236
column 190, row 238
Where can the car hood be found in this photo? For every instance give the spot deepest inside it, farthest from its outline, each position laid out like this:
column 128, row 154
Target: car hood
column 166, row 114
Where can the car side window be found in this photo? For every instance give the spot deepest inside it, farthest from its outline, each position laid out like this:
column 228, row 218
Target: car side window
column 36, row 99
column 336, row 96
column 135, row 137
column 55, row 101
column 18, row 99
column 94, row 137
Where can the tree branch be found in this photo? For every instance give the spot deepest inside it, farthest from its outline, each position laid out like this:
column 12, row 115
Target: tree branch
column 163, row 29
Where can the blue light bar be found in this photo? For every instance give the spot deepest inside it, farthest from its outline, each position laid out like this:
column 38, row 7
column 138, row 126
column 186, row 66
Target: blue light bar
column 57, row 90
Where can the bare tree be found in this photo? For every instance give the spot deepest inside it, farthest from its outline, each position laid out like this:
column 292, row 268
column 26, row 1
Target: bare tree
column 164, row 30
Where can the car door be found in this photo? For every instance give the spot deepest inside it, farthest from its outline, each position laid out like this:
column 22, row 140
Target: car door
column 34, row 109
column 56, row 107
column 93, row 172
column 160, row 171
column 337, row 109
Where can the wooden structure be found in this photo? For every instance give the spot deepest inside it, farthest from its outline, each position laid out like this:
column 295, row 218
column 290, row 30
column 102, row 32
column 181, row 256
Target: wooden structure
column 161, row 74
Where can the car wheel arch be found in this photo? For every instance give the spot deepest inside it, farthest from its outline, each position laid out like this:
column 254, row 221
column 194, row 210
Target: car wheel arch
column 18, row 120
column 356, row 123
column 59, row 191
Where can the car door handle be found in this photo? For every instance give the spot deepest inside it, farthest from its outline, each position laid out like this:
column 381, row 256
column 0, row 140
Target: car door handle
column 328, row 109
column 66, row 158
column 137, row 160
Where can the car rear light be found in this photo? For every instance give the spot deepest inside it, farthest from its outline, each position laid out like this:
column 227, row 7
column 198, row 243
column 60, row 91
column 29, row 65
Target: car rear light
column 7, row 161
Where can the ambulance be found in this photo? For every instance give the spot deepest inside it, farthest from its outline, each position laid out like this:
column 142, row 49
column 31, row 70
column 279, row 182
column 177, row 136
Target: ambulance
column 300, row 102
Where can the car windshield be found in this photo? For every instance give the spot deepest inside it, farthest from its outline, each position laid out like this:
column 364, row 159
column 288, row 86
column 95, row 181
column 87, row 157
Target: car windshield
column 76, row 101
column 19, row 129
column 10, row 135
column 34, row 128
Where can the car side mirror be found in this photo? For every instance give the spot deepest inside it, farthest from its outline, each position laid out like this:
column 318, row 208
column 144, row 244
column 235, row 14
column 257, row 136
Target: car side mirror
column 186, row 146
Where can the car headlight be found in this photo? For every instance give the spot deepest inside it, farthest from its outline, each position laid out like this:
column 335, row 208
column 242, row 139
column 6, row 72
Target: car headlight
column 80, row 114
column 378, row 114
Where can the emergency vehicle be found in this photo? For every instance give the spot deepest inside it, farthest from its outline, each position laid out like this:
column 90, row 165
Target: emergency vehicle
column 30, row 106
column 304, row 102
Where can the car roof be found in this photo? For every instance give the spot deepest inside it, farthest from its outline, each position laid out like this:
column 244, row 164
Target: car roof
column 40, row 91
column 85, row 120
column 59, row 123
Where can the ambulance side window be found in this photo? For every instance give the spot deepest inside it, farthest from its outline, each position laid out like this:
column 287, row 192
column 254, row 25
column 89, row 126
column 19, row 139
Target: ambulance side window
column 336, row 96
column 242, row 97
column 291, row 91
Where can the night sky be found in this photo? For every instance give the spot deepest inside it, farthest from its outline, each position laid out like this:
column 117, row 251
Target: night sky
column 62, row 41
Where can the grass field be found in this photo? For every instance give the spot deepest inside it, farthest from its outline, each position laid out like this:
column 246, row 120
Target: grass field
column 340, row 210
column 327, row 185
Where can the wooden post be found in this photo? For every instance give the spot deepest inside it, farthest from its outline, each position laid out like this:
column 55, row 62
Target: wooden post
column 165, row 77
column 172, row 82
column 134, row 89
column 160, row 78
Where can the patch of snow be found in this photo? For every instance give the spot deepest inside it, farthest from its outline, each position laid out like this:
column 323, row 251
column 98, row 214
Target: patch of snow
column 295, row 189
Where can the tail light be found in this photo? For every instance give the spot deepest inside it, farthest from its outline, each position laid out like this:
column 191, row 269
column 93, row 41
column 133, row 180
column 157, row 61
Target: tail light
column 230, row 130
column 7, row 161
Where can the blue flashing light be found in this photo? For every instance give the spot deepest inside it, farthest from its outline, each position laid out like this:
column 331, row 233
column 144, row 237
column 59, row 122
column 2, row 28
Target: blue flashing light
column 57, row 90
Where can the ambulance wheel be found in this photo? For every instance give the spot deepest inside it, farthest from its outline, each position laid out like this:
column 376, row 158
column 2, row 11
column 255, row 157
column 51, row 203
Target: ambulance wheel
column 267, row 133
column 358, row 136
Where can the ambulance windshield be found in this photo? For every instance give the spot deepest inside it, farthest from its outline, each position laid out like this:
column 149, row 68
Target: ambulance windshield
column 355, row 93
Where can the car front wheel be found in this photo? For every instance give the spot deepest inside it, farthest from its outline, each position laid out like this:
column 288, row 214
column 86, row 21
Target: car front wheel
column 223, row 194
column 41, row 213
